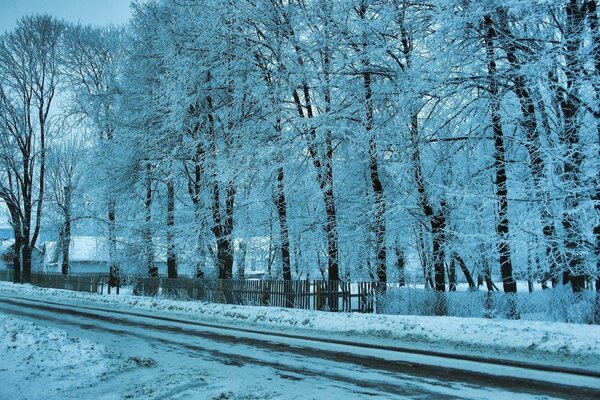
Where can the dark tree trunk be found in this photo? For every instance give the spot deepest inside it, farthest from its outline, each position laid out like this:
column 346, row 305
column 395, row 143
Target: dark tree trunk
column 502, row 230
column 149, row 246
column 379, row 216
column 377, row 186
column 26, row 258
column 280, row 200
column 569, row 137
column 438, row 234
column 533, row 147
column 487, row 271
column 437, row 220
column 225, row 258
column 16, row 226
column 17, row 260
column 283, row 227
column 379, row 222
column 115, row 272
column 65, row 235
column 323, row 163
column 595, row 29
column 401, row 265
column 424, row 257
column 196, row 193
column 465, row 270
column 25, row 245
column 171, row 256
column 222, row 220
column 452, row 275
column 324, row 168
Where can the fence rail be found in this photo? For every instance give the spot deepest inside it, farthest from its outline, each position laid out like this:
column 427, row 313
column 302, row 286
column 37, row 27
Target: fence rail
column 559, row 304
column 90, row 283
column 308, row 295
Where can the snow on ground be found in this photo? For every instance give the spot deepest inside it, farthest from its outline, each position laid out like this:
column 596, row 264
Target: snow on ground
column 574, row 345
column 41, row 362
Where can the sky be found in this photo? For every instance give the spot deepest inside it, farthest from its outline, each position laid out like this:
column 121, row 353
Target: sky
column 94, row 12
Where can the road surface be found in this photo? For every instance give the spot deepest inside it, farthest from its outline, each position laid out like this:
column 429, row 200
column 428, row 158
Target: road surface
column 191, row 359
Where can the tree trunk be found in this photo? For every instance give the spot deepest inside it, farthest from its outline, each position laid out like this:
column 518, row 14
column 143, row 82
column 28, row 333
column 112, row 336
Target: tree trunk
column 324, row 168
column 380, row 206
column 595, row 29
column 465, row 271
column 222, row 221
column 573, row 158
column 66, row 246
column 401, row 265
column 379, row 222
column 26, row 261
column 533, row 146
column 437, row 220
column 225, row 258
column 196, row 194
column 323, row 163
column 425, row 261
column 283, row 227
column 17, row 260
column 452, row 275
column 149, row 246
column 171, row 256
column 115, row 272
column 502, row 230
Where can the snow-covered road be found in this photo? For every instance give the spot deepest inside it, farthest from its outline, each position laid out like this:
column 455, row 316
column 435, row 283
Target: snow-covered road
column 176, row 358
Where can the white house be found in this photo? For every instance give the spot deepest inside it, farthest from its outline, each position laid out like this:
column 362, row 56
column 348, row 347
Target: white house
column 87, row 254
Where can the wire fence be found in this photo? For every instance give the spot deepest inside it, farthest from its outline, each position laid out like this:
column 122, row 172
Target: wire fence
column 560, row 304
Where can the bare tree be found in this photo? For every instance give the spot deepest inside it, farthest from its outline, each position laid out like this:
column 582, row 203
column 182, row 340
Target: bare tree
column 29, row 72
column 64, row 176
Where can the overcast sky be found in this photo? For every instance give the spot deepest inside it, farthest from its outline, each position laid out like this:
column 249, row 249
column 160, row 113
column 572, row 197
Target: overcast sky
column 95, row 12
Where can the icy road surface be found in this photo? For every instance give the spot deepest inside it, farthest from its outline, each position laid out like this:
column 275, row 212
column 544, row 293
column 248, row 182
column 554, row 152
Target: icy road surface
column 160, row 358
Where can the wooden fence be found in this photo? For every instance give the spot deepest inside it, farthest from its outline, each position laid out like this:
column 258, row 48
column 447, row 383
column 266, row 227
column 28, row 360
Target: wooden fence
column 307, row 295
column 90, row 283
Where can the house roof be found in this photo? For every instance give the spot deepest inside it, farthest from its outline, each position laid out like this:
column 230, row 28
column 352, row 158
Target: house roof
column 8, row 245
column 82, row 249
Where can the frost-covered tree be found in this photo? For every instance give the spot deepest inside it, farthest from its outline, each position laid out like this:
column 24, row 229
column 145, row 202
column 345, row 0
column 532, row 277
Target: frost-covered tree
column 29, row 80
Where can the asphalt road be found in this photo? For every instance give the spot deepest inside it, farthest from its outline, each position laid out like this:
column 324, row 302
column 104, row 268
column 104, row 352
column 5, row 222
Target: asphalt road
column 268, row 364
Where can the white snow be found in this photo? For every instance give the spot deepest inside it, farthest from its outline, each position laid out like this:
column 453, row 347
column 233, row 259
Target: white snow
column 548, row 342
column 40, row 362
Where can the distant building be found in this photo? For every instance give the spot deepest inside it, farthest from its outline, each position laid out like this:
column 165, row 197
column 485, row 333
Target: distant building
column 7, row 252
column 255, row 275
column 87, row 254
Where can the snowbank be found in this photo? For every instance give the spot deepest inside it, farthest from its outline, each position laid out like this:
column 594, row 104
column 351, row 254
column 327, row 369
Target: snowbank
column 41, row 362
column 518, row 339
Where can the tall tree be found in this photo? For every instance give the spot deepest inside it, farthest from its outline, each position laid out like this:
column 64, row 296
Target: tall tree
column 29, row 78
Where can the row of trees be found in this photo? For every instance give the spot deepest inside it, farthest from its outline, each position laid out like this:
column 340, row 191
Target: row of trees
column 349, row 139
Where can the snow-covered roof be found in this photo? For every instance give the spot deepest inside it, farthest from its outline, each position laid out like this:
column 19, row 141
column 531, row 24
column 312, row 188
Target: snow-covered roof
column 82, row 249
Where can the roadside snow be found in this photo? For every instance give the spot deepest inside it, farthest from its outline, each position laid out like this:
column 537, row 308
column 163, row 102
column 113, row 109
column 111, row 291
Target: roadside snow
column 40, row 362
column 552, row 342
